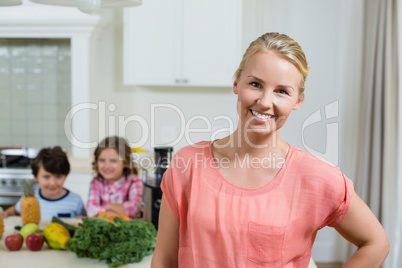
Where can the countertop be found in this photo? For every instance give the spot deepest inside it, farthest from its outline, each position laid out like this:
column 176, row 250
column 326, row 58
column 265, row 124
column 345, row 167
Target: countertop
column 46, row 257
column 50, row 258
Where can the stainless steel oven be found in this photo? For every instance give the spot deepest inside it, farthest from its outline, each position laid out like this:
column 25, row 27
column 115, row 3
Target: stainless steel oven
column 14, row 170
column 11, row 185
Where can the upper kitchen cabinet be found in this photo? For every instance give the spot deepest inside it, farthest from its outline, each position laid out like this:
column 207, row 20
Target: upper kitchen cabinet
column 182, row 42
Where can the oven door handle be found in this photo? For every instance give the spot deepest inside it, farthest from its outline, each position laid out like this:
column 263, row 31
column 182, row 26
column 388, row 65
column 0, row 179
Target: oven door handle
column 19, row 194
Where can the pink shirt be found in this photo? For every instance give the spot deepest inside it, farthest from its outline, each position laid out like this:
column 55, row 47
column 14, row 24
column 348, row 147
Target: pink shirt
column 223, row 225
column 126, row 191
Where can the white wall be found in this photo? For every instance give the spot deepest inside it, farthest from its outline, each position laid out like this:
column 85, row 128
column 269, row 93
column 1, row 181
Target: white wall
column 79, row 183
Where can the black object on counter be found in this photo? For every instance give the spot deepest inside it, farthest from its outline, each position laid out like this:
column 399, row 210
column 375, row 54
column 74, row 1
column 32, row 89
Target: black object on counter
column 153, row 204
column 163, row 156
column 152, row 190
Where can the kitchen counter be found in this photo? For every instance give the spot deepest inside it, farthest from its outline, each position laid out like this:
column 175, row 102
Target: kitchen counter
column 50, row 258
column 46, row 257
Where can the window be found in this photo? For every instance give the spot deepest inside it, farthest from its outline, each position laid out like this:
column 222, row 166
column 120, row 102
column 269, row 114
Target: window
column 35, row 91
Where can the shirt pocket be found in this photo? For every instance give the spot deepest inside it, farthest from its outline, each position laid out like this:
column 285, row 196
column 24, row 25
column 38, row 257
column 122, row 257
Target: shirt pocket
column 265, row 243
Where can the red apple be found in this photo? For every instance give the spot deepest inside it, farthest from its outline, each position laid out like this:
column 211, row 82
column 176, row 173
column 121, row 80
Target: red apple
column 34, row 241
column 14, row 241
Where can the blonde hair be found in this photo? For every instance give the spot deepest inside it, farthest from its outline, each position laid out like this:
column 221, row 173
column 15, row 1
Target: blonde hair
column 283, row 46
column 122, row 148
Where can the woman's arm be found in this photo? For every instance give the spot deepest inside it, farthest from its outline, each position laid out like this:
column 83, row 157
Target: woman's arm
column 167, row 243
column 362, row 228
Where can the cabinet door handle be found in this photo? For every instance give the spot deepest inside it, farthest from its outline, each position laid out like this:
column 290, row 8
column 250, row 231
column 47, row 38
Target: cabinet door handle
column 181, row 81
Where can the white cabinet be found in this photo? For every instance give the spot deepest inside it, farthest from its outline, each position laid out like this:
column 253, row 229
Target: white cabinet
column 182, row 42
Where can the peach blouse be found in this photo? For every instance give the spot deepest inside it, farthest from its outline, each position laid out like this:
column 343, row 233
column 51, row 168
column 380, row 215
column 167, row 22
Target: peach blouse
column 224, row 225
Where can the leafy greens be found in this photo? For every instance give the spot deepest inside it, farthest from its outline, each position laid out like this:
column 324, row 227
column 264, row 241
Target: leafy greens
column 118, row 242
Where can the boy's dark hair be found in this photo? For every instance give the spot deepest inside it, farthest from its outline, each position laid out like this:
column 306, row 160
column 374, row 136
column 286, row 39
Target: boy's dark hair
column 53, row 160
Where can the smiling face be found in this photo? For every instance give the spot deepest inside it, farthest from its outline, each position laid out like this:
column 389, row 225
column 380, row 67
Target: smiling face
column 110, row 165
column 51, row 184
column 268, row 90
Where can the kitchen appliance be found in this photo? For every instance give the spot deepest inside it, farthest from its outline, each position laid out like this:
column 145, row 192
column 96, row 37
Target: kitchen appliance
column 14, row 170
column 152, row 178
column 11, row 185
column 17, row 157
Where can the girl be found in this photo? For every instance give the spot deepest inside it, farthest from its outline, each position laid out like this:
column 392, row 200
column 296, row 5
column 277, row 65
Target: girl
column 251, row 199
column 115, row 189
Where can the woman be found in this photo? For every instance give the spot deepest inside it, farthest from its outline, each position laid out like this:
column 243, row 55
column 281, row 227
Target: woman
column 251, row 199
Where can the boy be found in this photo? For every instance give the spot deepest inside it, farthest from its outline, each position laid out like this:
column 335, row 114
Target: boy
column 50, row 169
